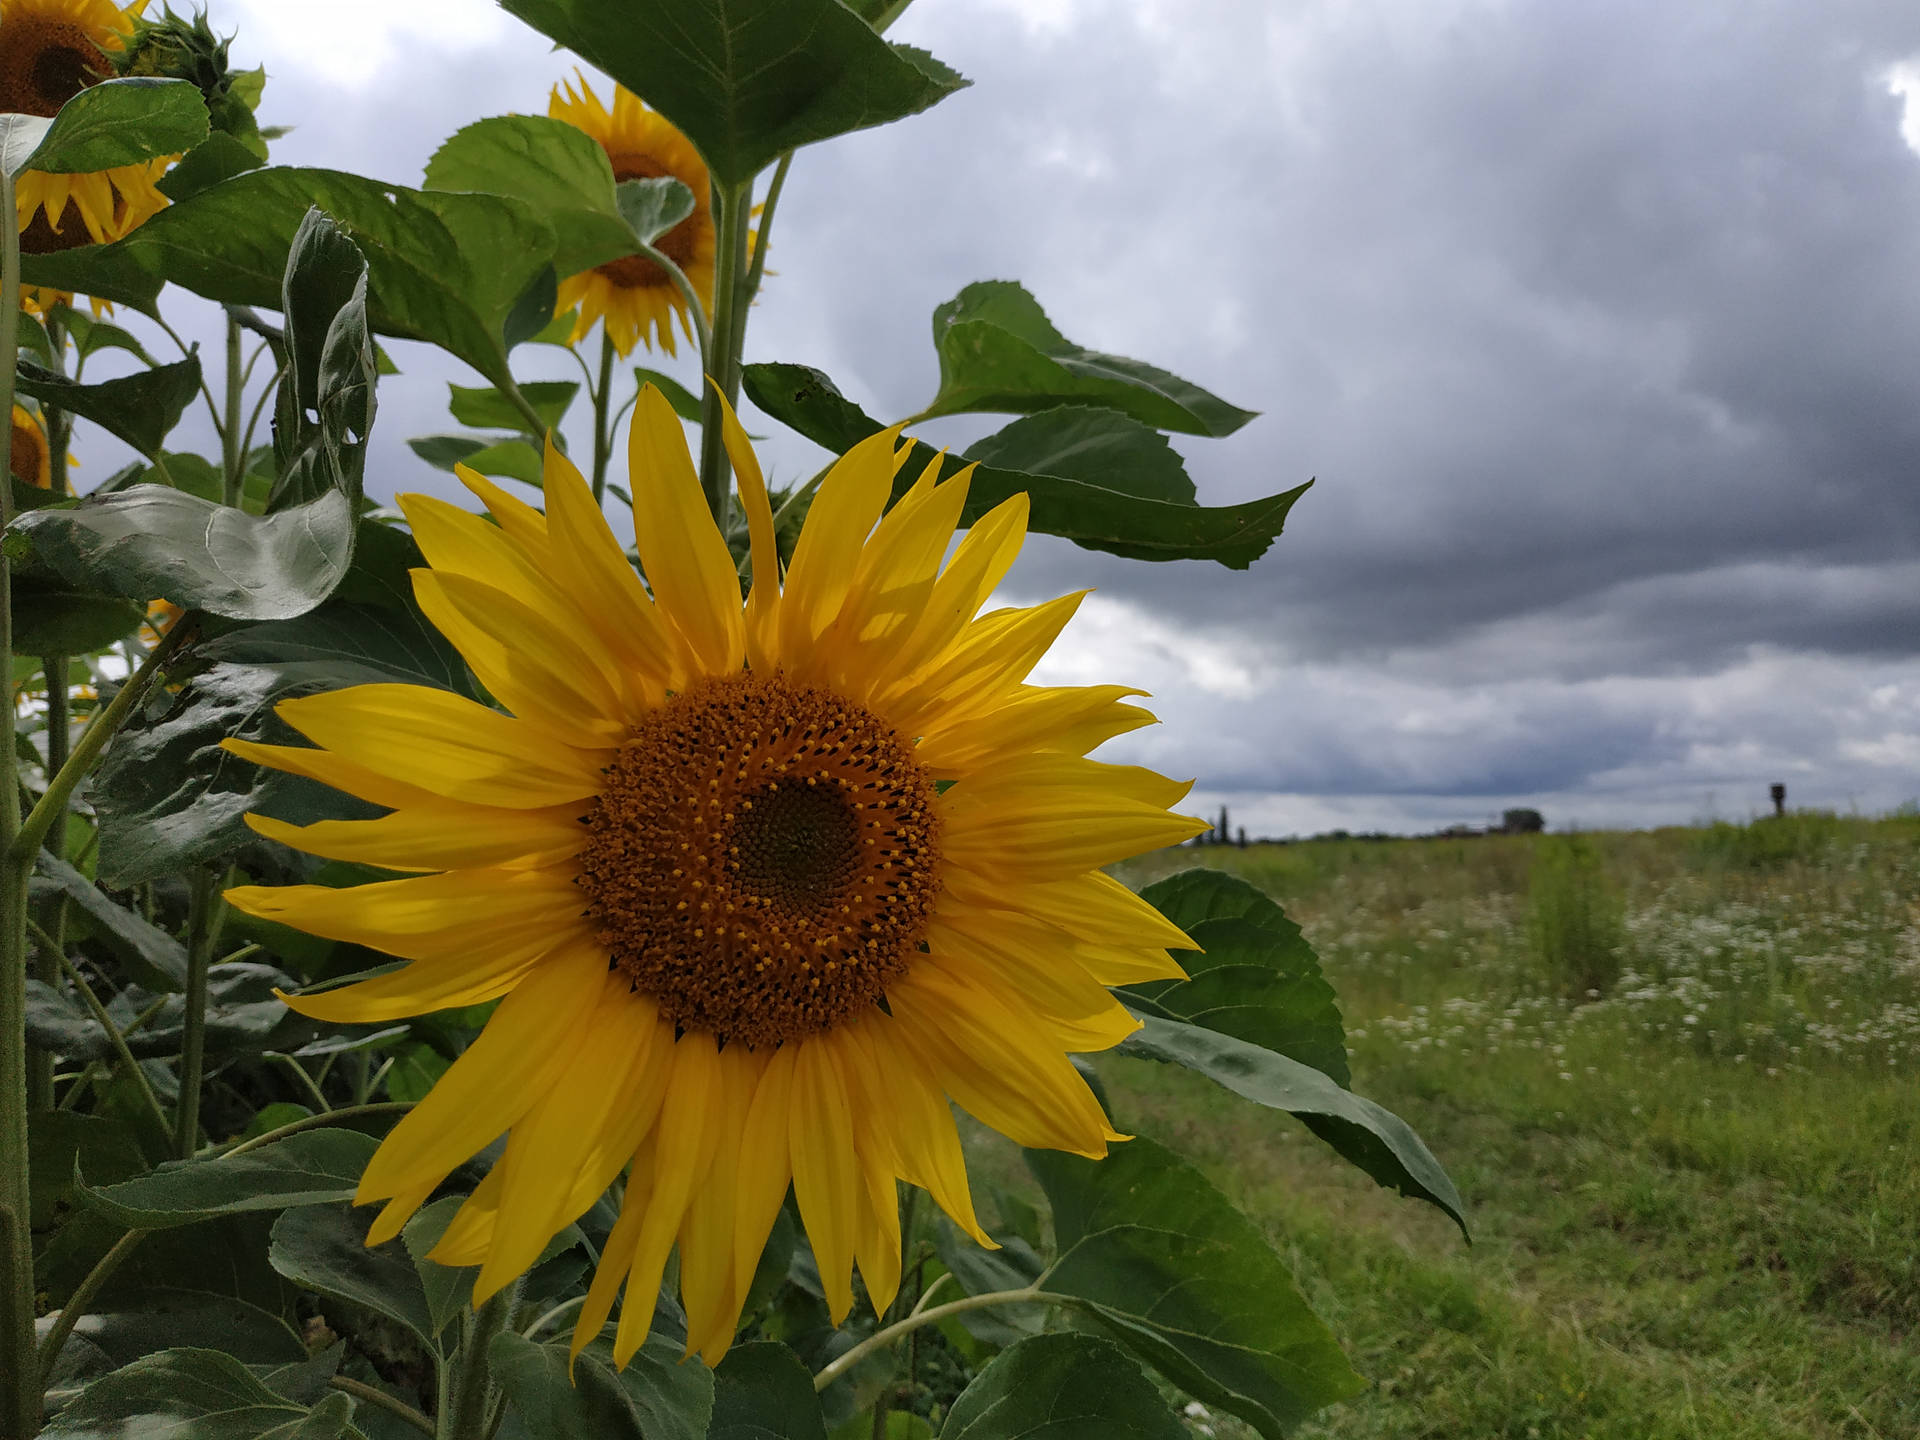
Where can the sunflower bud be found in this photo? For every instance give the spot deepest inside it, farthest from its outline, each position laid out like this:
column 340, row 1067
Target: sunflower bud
column 177, row 47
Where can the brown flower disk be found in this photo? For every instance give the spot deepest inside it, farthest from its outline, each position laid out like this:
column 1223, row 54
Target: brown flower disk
column 763, row 860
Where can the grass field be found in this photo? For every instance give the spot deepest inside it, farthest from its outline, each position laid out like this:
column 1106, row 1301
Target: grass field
column 1695, row 1199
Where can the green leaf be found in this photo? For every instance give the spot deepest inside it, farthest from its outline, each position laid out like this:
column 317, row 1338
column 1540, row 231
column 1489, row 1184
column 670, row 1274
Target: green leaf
column 652, row 207
column 91, row 336
column 489, row 409
column 324, row 1248
column 219, row 157
column 324, row 410
column 243, row 1016
column 747, row 79
column 157, row 960
column 514, row 459
column 140, row 408
column 447, row 1289
column 1061, row 1387
column 150, row 542
column 194, row 1395
column 145, row 1321
column 52, row 617
column 122, row 122
column 684, row 402
column 656, row 1397
column 443, row 267
column 314, row 1167
column 1101, row 447
column 58, row 1143
column 763, row 1392
column 20, row 136
column 998, row 351
column 980, row 1271
column 1094, row 516
column 416, row 1069
column 1375, row 1139
column 1165, row 1266
column 1255, row 977
column 555, row 167
column 167, row 796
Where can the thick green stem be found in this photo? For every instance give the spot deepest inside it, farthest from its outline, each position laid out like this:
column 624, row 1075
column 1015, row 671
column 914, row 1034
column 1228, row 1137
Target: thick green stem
column 47, row 963
column 466, row 1417
column 233, row 458
column 767, row 207
column 205, row 910
column 19, row 1376
column 24, row 841
column 602, row 432
column 81, row 1301
column 732, row 209
column 880, row 1339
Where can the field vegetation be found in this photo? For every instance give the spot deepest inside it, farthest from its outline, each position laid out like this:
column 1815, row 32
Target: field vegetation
column 1676, row 1076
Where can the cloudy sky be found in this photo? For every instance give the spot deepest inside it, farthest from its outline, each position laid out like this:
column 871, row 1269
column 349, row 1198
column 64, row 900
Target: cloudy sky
column 1598, row 322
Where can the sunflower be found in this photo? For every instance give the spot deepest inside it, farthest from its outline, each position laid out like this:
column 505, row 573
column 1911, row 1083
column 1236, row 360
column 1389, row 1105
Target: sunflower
column 31, row 458
column 50, row 50
column 633, row 295
column 758, row 887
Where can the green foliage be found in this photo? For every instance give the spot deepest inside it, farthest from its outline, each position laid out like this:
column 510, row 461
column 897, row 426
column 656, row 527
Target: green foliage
column 763, row 1392
column 1772, row 841
column 1061, row 1387
column 1118, row 520
column 204, row 1394
column 141, row 408
column 1576, row 917
column 655, row 1398
column 310, row 1168
column 324, row 411
column 748, row 79
column 491, row 410
column 117, row 122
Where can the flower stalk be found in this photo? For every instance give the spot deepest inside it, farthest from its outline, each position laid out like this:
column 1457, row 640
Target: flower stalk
column 732, row 210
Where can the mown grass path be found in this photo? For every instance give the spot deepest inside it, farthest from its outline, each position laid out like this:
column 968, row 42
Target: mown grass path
column 1696, row 1201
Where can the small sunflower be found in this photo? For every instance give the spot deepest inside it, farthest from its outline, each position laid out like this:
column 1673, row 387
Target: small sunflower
column 633, row 295
column 51, row 50
column 31, row 458
column 759, row 888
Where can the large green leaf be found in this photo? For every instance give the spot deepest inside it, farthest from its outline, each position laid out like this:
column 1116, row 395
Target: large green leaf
column 145, row 1321
column 54, row 617
column 140, row 408
column 487, row 409
column 448, row 1289
column 242, row 1016
column 514, row 459
column 167, row 796
column 1375, row 1139
column 61, row 1141
column 157, row 960
column 652, row 207
column 656, row 1397
column 1062, row 1387
column 1254, row 976
column 122, row 122
column 1099, row 517
column 764, row 1392
column 325, row 408
column 747, row 79
column 998, row 351
column 979, row 1271
column 151, row 542
column 557, row 168
column 1100, row 446
column 1164, row 1265
column 324, row 1248
column 194, row 1395
column 314, row 1167
column 448, row 268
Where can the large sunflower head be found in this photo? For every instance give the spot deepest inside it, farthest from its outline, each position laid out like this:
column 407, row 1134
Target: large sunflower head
column 51, row 50
column 31, row 459
column 633, row 296
column 759, row 887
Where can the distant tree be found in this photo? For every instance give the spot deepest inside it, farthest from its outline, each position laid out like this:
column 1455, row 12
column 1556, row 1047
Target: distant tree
column 1523, row 822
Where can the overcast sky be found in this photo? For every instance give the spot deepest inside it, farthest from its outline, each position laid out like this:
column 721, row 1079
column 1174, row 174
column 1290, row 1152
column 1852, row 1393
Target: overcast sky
column 1598, row 322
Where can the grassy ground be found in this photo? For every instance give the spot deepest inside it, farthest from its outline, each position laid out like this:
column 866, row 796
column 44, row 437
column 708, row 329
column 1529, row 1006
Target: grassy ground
column 1696, row 1199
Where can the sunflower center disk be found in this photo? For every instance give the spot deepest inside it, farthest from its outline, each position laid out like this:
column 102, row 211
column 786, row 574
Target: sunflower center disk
column 48, row 62
column 636, row 272
column 763, row 860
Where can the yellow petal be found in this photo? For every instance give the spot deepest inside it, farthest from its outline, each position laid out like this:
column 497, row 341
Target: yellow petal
column 1095, row 907
column 331, row 769
column 459, row 542
column 439, row 835
column 763, row 601
column 707, row 1232
column 993, row 656
column 844, row 510
column 1070, row 719
column 525, row 525
column 686, row 561
column 1022, row 958
column 528, row 664
column 447, row 744
column 469, row 1234
column 519, row 1053
column 766, row 1166
column 616, row 1260
column 825, row 1177
column 911, row 1105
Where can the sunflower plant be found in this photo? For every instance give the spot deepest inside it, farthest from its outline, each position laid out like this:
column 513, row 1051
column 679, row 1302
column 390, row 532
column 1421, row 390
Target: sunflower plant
column 605, row 944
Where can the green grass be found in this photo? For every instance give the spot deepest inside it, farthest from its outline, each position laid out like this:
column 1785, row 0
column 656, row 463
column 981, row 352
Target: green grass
column 1696, row 1203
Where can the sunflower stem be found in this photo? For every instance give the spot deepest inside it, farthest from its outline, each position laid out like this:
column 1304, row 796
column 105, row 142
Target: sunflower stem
column 466, row 1417
column 767, row 207
column 47, row 963
column 81, row 1300
column 602, row 432
column 732, row 209
column 205, row 911
column 116, row 1037
column 882, row 1338
column 19, row 1375
column 371, row 1396
column 232, row 459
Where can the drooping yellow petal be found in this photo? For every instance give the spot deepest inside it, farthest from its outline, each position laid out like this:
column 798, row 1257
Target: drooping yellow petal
column 1049, row 817
column 526, row 525
column 708, row 1231
column 616, row 1260
column 1095, row 907
column 826, row 1177
column 331, row 769
column 523, row 1049
column 993, row 656
column 686, row 561
column 1070, row 719
column 439, row 835
column 447, row 744
column 844, row 509
column 459, row 542
column 763, row 601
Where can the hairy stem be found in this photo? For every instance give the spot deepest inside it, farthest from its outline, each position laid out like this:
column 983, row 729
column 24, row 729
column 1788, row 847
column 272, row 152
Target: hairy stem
column 116, row 1037
column 882, row 1338
column 466, row 1418
column 205, row 909
column 602, row 432
column 81, row 1301
column 232, row 458
column 47, row 964
column 396, row 1407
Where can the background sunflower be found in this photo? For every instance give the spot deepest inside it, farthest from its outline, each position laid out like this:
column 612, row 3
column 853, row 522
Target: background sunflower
column 31, row 459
